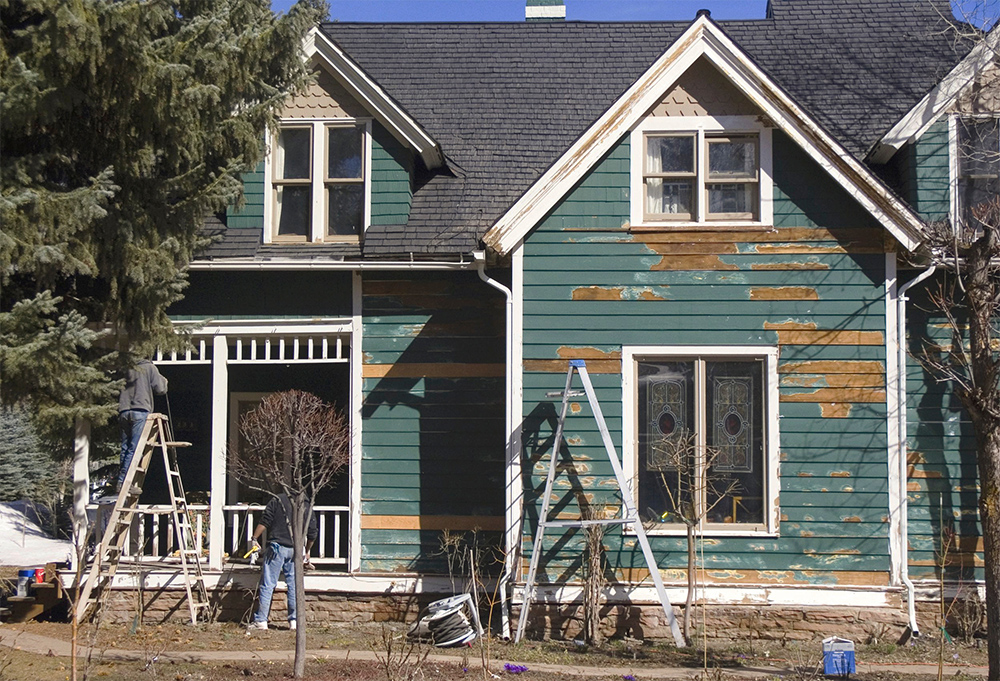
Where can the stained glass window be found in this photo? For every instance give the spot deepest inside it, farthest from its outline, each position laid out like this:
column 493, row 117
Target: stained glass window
column 713, row 472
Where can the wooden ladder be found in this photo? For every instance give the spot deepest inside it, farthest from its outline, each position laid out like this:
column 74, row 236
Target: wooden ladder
column 629, row 517
column 155, row 436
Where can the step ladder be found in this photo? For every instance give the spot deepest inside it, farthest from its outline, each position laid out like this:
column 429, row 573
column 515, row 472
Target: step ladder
column 629, row 517
column 155, row 436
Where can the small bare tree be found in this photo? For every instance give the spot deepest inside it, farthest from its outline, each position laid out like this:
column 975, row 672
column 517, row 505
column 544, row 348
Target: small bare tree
column 296, row 444
column 594, row 579
column 691, row 493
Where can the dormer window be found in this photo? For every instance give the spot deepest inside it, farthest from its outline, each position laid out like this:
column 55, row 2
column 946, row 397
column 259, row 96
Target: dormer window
column 700, row 170
column 318, row 173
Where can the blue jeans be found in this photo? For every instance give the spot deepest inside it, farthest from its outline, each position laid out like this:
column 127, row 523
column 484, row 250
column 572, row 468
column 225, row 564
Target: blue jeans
column 277, row 559
column 130, row 422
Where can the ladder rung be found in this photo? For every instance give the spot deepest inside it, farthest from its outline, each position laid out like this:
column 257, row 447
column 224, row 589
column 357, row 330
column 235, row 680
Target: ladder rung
column 571, row 393
column 586, row 523
column 177, row 444
column 176, row 474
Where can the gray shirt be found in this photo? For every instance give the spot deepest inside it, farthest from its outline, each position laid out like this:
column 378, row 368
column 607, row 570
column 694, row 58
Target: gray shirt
column 142, row 382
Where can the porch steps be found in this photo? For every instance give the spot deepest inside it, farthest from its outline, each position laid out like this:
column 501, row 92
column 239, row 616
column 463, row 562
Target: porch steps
column 630, row 515
column 44, row 598
column 155, row 437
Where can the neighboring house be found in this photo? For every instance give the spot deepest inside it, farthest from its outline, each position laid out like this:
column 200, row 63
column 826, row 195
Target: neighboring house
column 717, row 216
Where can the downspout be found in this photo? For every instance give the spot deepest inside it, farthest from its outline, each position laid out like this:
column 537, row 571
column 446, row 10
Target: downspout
column 510, row 542
column 901, row 402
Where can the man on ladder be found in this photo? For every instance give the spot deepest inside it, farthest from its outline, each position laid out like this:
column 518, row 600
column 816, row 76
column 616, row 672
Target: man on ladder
column 134, row 404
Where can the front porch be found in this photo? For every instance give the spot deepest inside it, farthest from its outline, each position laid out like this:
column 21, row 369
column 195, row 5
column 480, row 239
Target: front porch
column 227, row 370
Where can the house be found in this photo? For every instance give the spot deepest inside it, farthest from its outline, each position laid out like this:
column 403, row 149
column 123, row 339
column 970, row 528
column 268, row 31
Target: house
column 718, row 216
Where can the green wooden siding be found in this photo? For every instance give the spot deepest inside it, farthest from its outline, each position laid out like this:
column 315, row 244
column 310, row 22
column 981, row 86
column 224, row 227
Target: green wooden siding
column 927, row 173
column 712, row 289
column 392, row 168
column 251, row 215
column 943, row 480
column 432, row 437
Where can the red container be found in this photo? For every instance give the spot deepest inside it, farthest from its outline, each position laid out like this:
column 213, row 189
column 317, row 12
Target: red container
column 40, row 576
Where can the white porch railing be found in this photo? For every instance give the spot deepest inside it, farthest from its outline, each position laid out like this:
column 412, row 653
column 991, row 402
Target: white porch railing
column 151, row 535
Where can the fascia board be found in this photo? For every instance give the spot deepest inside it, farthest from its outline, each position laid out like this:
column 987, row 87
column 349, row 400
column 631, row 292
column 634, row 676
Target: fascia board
column 400, row 124
column 703, row 38
column 937, row 102
column 897, row 217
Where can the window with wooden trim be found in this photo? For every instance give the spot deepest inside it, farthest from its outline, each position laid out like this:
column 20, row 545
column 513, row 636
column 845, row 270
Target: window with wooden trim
column 704, row 449
column 722, row 187
column 701, row 170
column 318, row 171
column 978, row 164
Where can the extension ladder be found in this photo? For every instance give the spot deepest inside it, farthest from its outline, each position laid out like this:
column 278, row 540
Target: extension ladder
column 155, row 435
column 630, row 516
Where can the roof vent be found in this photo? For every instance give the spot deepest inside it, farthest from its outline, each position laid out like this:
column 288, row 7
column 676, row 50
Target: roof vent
column 545, row 10
column 704, row 13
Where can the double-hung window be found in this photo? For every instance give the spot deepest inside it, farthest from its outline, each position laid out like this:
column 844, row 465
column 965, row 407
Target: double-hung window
column 318, row 174
column 978, row 164
column 700, row 170
column 701, row 437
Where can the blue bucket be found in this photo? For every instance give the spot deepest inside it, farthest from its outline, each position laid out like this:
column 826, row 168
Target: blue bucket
column 24, row 578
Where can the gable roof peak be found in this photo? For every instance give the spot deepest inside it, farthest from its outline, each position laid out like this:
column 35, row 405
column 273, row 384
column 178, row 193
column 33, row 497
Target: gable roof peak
column 703, row 39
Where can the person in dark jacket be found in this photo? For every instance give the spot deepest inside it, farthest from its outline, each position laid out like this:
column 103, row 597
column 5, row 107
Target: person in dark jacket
column 279, row 557
column 134, row 404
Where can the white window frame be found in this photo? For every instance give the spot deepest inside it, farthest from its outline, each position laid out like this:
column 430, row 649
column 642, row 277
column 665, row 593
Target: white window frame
column 955, row 162
column 632, row 355
column 701, row 127
column 317, row 231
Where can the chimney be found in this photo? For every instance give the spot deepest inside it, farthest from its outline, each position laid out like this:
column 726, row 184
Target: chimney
column 545, row 10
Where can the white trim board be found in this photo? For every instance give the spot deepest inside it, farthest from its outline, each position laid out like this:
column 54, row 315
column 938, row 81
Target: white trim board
column 374, row 98
column 703, row 39
column 938, row 101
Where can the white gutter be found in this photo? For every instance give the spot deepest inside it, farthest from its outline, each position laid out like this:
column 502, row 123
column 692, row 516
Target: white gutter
column 512, row 538
column 901, row 401
column 322, row 265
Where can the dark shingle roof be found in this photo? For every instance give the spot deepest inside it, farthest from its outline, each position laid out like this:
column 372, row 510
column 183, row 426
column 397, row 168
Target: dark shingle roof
column 504, row 100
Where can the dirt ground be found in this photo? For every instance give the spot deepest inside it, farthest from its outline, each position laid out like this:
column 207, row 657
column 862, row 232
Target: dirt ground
column 642, row 661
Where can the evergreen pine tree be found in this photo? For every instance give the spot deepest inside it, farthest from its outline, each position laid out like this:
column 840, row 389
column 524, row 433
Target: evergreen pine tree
column 125, row 123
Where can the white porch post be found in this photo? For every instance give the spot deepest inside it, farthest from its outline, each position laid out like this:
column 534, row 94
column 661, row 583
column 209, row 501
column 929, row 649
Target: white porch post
column 81, row 484
column 357, row 398
column 220, row 404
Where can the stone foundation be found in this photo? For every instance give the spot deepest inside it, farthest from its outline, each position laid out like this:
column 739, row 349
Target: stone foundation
column 724, row 622
column 236, row 604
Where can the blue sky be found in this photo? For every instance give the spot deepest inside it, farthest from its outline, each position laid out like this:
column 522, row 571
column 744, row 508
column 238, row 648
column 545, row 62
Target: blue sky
column 581, row 10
